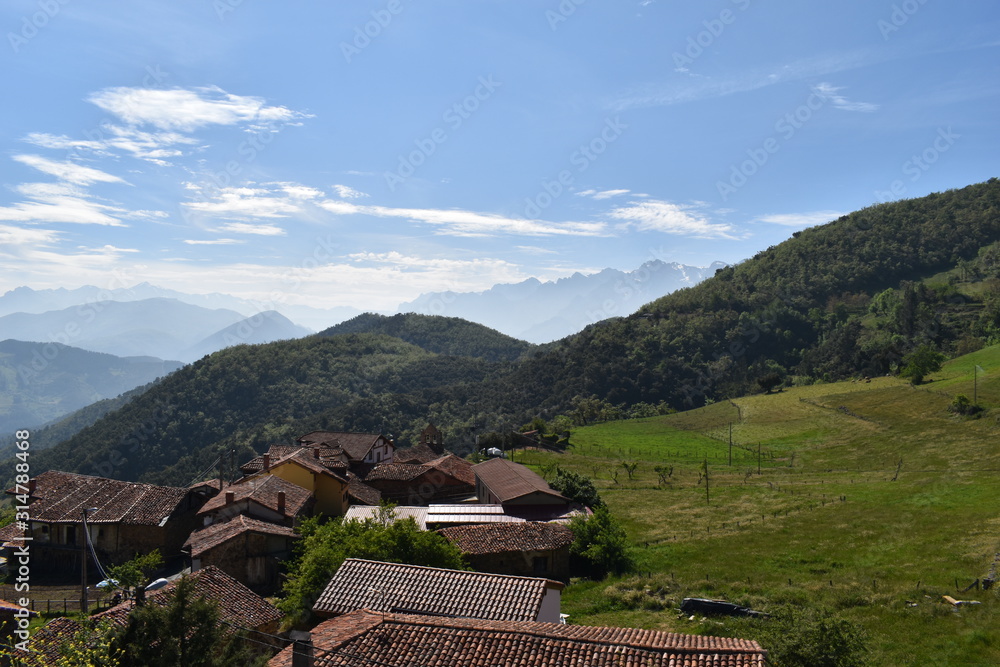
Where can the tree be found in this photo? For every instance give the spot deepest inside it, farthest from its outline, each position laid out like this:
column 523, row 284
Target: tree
column 630, row 467
column 185, row 632
column 135, row 573
column 920, row 363
column 600, row 546
column 769, row 382
column 324, row 546
column 797, row 637
column 576, row 487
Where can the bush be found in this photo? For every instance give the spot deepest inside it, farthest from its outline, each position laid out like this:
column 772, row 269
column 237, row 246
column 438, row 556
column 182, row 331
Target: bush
column 796, row 637
column 577, row 488
column 601, row 546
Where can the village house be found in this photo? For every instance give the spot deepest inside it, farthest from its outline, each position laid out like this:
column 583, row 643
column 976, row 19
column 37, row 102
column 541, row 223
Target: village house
column 361, row 448
column 304, row 468
column 247, row 549
column 396, row 587
column 239, row 608
column 123, row 518
column 528, row 548
column 264, row 497
column 521, row 491
column 434, row 641
column 446, row 477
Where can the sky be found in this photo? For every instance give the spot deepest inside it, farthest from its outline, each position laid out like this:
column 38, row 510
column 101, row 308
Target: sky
column 362, row 153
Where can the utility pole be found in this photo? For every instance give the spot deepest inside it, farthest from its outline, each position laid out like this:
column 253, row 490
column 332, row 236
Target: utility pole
column 83, row 560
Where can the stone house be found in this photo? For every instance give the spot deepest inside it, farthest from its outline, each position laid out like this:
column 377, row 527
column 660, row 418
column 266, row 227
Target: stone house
column 361, row 448
column 304, row 468
column 264, row 497
column 447, row 477
column 123, row 518
column 528, row 548
column 247, row 549
column 521, row 491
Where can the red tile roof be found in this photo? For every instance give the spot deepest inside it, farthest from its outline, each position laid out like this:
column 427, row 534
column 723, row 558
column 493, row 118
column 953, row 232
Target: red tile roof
column 304, row 457
column 209, row 537
column 431, row 590
column 497, row 538
column 457, row 467
column 45, row 642
column 365, row 638
column 417, row 454
column 356, row 445
column 398, row 472
column 332, row 457
column 237, row 603
column 361, row 492
column 264, row 491
column 62, row 496
column 508, row 481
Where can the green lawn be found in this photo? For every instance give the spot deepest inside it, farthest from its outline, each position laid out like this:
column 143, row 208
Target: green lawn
column 872, row 500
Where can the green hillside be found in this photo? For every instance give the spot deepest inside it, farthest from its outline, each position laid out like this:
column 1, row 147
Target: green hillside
column 872, row 500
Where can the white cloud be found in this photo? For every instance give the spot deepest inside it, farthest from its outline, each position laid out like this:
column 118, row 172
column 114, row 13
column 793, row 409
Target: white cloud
column 695, row 89
column 70, row 172
column 347, row 192
column 15, row 236
column 246, row 228
column 829, row 91
column 603, row 194
column 457, row 222
column 251, row 201
column 187, row 110
column 213, row 242
column 800, row 220
column 60, row 202
column 669, row 218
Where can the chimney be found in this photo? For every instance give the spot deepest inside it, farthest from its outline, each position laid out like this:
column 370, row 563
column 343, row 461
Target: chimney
column 302, row 651
column 281, row 501
column 267, row 462
column 31, row 486
column 315, row 452
column 230, row 497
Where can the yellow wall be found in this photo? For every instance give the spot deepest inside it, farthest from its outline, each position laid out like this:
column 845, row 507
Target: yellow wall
column 329, row 491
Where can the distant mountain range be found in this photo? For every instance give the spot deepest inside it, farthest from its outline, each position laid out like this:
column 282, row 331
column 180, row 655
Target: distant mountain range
column 541, row 312
column 157, row 327
column 41, row 382
column 28, row 300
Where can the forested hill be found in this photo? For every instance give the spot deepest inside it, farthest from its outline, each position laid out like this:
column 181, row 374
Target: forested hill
column 441, row 335
column 836, row 300
column 852, row 297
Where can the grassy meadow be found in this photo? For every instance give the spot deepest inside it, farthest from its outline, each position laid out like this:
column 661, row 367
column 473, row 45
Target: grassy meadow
column 867, row 498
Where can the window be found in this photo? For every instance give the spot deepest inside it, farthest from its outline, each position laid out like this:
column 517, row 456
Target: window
column 541, row 564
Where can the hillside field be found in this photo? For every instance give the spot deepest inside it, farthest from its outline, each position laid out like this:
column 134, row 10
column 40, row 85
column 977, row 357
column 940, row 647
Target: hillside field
column 867, row 498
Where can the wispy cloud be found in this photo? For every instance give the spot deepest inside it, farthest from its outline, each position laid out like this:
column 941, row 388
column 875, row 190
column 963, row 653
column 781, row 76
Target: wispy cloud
column 213, row 242
column 257, row 230
column 800, row 220
column 69, row 172
column 267, row 200
column 601, row 194
column 695, row 89
column 661, row 216
column 829, row 91
column 188, row 109
column 347, row 192
column 458, row 222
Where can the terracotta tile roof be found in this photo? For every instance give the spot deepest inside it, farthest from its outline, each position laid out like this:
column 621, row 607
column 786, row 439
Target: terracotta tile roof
column 209, row 537
column 497, row 538
column 10, row 532
column 455, row 466
column 237, row 603
column 365, row 638
column 417, row 454
column 356, row 445
column 61, row 497
column 361, row 492
column 332, row 457
column 304, row 457
column 508, row 481
column 263, row 490
column 44, row 642
column 398, row 472
column 431, row 590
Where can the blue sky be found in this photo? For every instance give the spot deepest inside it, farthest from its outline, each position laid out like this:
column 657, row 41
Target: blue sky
column 363, row 153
